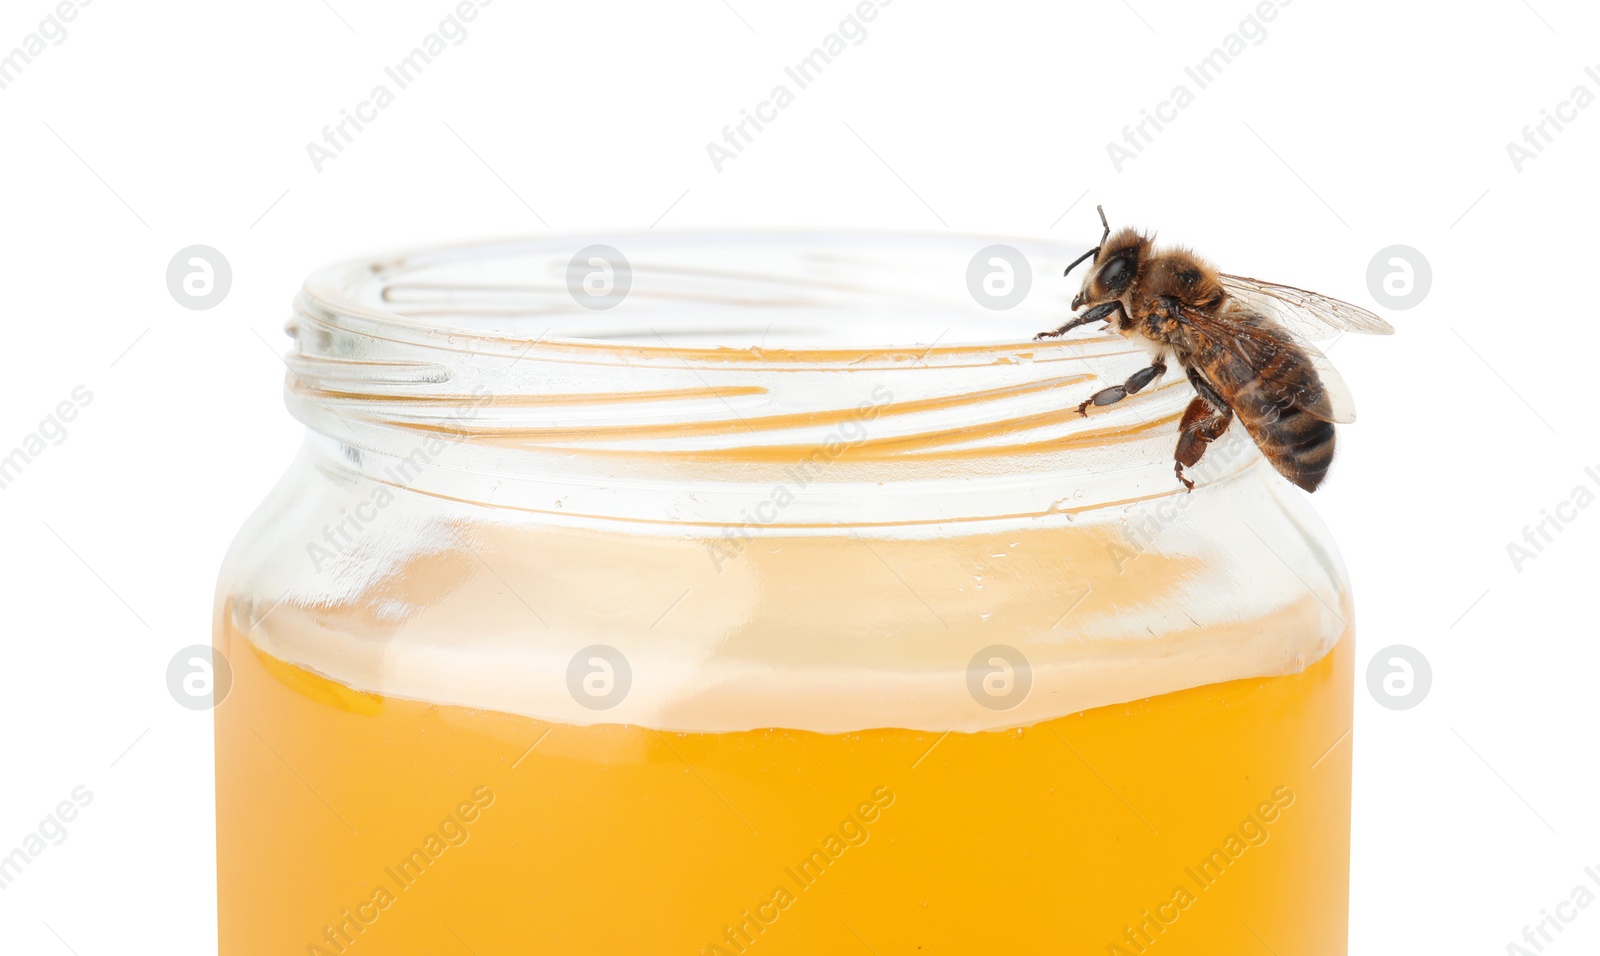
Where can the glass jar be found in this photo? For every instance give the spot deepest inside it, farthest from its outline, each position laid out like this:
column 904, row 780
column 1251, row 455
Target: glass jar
column 708, row 593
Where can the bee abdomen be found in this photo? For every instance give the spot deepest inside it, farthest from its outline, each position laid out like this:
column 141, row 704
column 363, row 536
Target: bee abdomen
column 1297, row 443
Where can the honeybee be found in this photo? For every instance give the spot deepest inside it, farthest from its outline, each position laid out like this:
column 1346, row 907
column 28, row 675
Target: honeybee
column 1232, row 336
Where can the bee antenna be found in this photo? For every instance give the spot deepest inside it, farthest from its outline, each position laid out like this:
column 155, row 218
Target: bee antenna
column 1096, row 250
column 1087, row 255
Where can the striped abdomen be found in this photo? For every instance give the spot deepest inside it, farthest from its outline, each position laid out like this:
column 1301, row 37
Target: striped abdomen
column 1278, row 397
column 1298, row 443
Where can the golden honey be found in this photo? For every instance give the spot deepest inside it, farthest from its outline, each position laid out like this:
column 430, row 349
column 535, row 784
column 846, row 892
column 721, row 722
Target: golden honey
column 1189, row 823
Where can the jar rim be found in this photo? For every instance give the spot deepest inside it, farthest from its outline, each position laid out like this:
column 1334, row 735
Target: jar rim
column 885, row 358
column 385, row 291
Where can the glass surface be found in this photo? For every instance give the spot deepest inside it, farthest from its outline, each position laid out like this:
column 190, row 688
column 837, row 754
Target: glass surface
column 787, row 606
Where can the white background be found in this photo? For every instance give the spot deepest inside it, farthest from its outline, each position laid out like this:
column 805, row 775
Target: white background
column 1350, row 127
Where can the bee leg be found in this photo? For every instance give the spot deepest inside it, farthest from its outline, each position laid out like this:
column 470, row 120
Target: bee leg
column 1092, row 315
column 1116, row 393
column 1053, row 333
column 1202, row 424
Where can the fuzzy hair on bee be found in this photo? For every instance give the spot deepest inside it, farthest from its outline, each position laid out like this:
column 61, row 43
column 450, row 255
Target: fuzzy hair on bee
column 1231, row 335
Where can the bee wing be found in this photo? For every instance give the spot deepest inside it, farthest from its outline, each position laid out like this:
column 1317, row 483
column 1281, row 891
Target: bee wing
column 1312, row 315
column 1272, row 352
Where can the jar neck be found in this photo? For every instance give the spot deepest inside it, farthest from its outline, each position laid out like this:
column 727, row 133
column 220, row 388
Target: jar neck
column 715, row 393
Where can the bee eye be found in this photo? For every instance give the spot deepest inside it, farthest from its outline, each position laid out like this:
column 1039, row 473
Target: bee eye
column 1116, row 274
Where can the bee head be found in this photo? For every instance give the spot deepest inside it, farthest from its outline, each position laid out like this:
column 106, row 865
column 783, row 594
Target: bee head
column 1113, row 266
